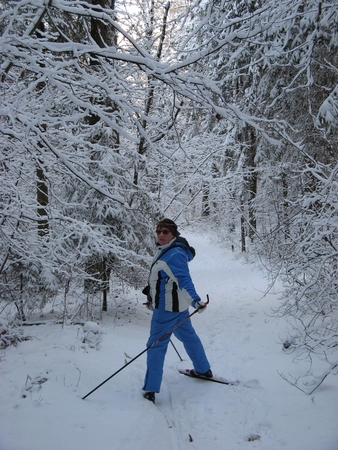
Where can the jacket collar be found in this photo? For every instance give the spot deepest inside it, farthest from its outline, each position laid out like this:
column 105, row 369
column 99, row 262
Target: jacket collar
column 162, row 247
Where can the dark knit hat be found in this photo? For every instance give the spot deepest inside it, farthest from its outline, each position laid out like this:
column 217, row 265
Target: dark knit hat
column 169, row 225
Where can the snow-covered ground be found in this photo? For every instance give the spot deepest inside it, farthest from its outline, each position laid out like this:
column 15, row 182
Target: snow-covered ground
column 43, row 380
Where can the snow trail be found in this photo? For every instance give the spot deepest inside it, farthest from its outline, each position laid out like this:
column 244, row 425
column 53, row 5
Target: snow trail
column 241, row 340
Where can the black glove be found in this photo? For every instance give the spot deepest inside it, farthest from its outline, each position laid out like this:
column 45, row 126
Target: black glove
column 146, row 290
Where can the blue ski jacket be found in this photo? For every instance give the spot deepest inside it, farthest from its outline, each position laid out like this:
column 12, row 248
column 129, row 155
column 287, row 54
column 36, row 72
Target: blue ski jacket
column 170, row 283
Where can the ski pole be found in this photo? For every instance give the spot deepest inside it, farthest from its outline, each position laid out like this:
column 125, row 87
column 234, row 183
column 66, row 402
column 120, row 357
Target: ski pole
column 171, row 342
column 145, row 350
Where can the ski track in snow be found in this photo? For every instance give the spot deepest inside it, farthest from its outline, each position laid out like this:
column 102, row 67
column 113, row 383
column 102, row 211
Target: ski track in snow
column 242, row 343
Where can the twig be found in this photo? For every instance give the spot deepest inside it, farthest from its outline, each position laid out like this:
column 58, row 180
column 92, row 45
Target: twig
column 78, row 381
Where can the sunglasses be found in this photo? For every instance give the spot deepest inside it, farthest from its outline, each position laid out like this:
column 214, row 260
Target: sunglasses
column 163, row 230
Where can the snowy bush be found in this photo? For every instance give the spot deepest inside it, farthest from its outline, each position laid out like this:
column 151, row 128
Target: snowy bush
column 9, row 336
column 92, row 335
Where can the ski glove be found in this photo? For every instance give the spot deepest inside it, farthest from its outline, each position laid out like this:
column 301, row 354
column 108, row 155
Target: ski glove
column 200, row 306
column 149, row 305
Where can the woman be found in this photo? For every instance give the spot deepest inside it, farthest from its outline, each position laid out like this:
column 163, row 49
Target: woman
column 170, row 292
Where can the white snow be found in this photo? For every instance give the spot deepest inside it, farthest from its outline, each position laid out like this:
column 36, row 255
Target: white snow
column 43, row 380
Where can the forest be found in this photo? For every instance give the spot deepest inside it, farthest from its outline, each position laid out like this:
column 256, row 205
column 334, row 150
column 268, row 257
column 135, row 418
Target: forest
column 215, row 113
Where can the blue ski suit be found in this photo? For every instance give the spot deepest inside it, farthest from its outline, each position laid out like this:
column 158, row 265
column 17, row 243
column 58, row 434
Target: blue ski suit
column 171, row 293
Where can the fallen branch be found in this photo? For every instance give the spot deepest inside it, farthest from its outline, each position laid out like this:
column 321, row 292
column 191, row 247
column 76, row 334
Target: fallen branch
column 319, row 383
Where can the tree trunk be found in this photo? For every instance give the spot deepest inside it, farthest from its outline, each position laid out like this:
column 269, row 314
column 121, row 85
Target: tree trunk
column 252, row 181
column 243, row 244
column 248, row 138
column 205, row 201
column 142, row 147
column 42, row 199
column 105, row 288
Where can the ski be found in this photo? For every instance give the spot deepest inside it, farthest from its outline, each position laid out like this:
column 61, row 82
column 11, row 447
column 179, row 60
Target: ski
column 214, row 379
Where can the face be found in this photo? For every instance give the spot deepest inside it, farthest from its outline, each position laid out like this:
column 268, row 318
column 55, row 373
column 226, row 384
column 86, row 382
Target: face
column 164, row 236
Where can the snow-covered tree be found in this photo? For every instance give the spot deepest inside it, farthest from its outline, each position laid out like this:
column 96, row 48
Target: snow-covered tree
column 276, row 67
column 217, row 109
column 70, row 121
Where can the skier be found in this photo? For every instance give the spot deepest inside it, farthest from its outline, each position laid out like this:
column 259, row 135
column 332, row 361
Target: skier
column 170, row 292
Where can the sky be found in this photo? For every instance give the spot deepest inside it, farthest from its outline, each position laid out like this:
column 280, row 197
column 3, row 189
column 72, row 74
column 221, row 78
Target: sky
column 43, row 380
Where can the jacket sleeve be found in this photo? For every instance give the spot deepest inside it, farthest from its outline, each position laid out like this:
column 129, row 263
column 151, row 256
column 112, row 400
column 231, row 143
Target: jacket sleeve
column 178, row 264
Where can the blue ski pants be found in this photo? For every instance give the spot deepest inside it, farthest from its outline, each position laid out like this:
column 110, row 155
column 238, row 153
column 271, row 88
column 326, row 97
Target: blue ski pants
column 163, row 321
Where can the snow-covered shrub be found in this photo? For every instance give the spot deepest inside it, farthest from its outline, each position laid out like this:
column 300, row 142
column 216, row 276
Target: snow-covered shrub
column 92, row 335
column 9, row 336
